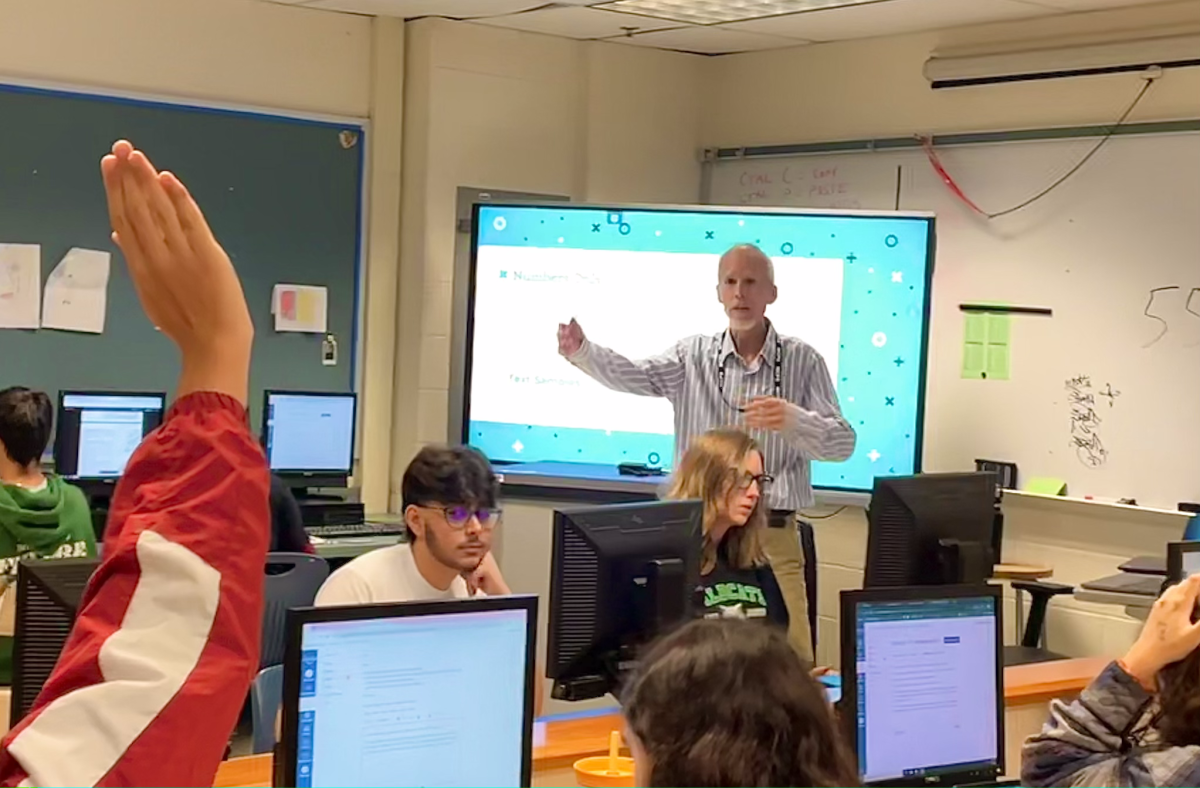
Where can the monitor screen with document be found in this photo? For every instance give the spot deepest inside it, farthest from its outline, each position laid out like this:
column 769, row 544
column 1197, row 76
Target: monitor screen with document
column 923, row 697
column 309, row 436
column 414, row 694
column 99, row 430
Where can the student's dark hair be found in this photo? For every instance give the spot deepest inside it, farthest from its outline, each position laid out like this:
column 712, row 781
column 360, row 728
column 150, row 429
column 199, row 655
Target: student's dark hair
column 1178, row 717
column 449, row 475
column 723, row 702
column 26, row 420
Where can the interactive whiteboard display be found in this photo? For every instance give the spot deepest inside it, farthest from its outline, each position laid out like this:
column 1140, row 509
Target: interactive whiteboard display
column 855, row 287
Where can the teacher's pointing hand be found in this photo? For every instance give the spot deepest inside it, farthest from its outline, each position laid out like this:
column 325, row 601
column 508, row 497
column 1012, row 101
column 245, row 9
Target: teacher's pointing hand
column 570, row 338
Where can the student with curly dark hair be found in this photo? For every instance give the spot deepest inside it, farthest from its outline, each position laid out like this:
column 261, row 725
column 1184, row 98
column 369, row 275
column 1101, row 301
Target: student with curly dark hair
column 726, row 702
column 1138, row 723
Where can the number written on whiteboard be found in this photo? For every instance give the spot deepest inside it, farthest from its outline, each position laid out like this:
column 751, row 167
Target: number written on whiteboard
column 1163, row 307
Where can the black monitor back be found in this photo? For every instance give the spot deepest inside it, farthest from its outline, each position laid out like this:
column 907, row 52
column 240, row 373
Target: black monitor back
column 619, row 574
column 924, row 529
column 48, row 595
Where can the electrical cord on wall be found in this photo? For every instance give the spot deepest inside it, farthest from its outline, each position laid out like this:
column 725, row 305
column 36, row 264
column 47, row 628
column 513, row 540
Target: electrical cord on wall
column 1149, row 78
column 829, row 516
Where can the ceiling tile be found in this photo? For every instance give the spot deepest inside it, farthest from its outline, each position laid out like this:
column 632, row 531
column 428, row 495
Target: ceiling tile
column 461, row 9
column 1089, row 5
column 708, row 40
column 708, row 12
column 889, row 17
column 578, row 22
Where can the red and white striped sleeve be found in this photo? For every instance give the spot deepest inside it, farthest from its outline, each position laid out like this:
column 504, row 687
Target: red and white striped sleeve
column 155, row 672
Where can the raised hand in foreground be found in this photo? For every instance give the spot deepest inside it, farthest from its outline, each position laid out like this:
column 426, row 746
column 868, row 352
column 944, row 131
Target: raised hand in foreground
column 155, row 672
column 183, row 277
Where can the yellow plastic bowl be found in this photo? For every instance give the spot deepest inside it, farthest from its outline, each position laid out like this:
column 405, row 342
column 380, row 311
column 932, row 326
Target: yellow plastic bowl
column 594, row 773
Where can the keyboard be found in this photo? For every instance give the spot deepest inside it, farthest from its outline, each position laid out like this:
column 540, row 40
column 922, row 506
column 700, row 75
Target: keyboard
column 352, row 530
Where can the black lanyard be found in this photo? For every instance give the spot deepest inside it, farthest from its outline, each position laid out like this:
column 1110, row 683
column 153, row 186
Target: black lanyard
column 777, row 387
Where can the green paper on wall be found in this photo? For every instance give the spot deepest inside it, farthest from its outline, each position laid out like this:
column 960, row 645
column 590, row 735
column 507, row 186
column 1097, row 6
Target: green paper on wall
column 975, row 328
column 1046, row 486
column 997, row 328
column 986, row 351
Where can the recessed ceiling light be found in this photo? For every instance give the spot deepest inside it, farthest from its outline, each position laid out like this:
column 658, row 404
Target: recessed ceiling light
column 712, row 12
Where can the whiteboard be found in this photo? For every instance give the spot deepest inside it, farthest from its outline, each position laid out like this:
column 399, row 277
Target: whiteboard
column 1092, row 250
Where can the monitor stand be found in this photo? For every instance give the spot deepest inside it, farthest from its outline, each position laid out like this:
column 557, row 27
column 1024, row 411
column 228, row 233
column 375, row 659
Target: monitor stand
column 667, row 595
column 965, row 563
column 663, row 605
column 305, row 495
column 318, row 509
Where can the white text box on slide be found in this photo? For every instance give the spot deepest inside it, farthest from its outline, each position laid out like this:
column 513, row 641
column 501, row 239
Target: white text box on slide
column 637, row 303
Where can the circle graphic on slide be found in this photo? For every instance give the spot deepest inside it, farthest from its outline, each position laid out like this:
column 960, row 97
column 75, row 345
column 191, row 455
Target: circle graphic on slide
column 624, row 228
column 500, row 223
column 654, row 459
column 891, row 241
column 879, row 340
column 786, row 248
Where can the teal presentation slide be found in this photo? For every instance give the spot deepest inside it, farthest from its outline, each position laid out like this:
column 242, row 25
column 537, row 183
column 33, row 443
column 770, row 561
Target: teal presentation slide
column 854, row 286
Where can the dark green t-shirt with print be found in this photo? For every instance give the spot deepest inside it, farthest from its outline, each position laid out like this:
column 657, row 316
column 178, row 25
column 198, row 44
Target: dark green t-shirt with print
column 751, row 593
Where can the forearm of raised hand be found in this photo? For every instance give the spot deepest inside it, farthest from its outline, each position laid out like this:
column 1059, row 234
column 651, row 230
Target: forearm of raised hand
column 167, row 638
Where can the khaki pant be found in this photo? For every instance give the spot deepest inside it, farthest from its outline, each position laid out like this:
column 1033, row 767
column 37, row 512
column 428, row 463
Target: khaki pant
column 787, row 561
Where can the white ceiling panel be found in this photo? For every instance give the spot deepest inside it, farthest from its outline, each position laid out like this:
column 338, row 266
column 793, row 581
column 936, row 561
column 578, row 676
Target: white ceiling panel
column 595, row 19
column 1091, row 5
column 890, row 17
column 708, row 12
column 579, row 22
column 708, row 40
column 462, row 9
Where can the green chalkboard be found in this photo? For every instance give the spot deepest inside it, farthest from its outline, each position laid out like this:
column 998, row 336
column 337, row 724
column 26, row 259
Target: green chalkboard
column 283, row 195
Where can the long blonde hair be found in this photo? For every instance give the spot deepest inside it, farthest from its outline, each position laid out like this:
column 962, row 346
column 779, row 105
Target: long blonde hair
column 708, row 471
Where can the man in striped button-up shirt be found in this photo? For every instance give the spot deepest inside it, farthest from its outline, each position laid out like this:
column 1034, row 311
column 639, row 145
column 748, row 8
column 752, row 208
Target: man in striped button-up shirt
column 776, row 387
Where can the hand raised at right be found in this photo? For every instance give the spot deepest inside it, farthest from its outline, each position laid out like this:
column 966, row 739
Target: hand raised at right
column 570, row 338
column 1170, row 633
column 184, row 279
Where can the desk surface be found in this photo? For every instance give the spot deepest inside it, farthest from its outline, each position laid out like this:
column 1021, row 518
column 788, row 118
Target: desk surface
column 352, row 546
column 568, row 739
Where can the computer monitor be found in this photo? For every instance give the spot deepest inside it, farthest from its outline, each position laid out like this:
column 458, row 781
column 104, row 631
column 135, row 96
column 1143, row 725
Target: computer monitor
column 99, row 430
column 415, row 694
column 932, row 529
column 1183, row 561
column 923, row 695
column 620, row 575
column 48, row 595
column 309, row 436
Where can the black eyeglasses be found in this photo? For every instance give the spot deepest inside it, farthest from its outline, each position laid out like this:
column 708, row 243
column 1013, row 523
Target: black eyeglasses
column 459, row 516
column 745, row 479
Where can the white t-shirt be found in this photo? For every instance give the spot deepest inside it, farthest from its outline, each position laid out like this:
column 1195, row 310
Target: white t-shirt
column 389, row 574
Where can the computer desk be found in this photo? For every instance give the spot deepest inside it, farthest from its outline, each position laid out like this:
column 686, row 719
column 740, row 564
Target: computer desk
column 1028, row 690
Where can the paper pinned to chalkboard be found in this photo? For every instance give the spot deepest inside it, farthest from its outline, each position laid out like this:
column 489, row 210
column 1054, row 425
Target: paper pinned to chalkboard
column 20, row 285
column 76, row 296
column 300, row 308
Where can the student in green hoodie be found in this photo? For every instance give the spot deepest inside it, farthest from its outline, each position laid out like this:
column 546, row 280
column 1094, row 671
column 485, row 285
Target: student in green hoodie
column 41, row 516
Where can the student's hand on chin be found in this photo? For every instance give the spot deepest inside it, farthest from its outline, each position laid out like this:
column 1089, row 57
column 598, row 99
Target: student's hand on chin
column 184, row 279
column 1169, row 634
column 487, row 578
